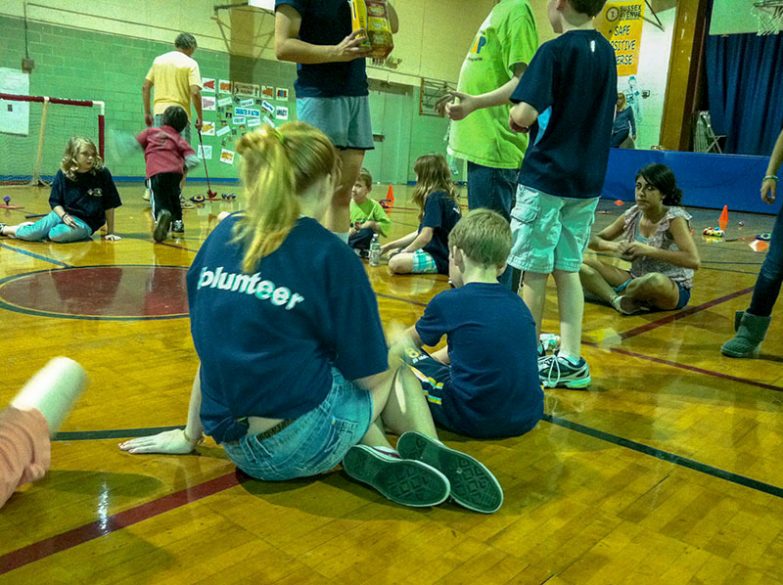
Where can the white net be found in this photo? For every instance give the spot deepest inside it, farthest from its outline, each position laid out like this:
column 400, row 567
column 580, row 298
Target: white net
column 33, row 136
column 769, row 16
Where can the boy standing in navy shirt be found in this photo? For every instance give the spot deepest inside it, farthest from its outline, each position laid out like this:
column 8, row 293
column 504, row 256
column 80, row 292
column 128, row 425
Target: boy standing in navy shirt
column 562, row 174
column 485, row 383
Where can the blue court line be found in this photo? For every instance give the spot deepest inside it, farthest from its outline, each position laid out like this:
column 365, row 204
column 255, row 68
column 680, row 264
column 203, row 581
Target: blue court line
column 36, row 256
column 668, row 457
column 110, row 434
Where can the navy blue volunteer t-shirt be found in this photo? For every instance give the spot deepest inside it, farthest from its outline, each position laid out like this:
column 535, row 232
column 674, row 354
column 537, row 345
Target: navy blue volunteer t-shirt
column 327, row 22
column 441, row 213
column 494, row 389
column 267, row 340
column 575, row 74
column 87, row 196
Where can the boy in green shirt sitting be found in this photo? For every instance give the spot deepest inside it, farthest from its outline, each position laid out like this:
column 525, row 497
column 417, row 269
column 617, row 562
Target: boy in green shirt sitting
column 367, row 216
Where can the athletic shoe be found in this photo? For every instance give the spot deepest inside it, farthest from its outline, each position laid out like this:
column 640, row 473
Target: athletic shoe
column 178, row 227
column 2, row 227
column 146, row 195
column 627, row 306
column 162, row 226
column 472, row 485
column 410, row 483
column 555, row 371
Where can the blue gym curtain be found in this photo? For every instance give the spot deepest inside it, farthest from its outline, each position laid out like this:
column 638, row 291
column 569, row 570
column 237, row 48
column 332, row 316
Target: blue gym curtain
column 745, row 90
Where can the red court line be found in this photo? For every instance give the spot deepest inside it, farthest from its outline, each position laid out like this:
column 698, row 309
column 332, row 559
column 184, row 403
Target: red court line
column 87, row 532
column 689, row 368
column 682, row 314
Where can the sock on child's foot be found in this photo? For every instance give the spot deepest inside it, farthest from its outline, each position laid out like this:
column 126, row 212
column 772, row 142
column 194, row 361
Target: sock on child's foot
column 387, row 451
column 574, row 361
column 52, row 391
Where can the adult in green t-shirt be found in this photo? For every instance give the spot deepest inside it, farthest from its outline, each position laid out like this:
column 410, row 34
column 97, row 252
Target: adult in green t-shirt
column 479, row 109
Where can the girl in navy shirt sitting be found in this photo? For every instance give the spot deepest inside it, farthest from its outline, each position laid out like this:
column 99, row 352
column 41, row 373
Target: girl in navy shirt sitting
column 289, row 391
column 427, row 249
column 83, row 199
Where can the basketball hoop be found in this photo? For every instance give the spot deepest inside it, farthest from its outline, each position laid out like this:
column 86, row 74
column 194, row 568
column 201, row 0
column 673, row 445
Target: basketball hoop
column 769, row 16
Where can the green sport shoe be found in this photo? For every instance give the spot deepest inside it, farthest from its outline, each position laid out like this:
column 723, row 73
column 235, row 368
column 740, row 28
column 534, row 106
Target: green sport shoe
column 406, row 482
column 472, row 485
column 555, row 371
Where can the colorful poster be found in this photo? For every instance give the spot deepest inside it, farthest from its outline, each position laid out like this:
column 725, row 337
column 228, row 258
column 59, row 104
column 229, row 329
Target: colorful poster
column 223, row 130
column 224, row 102
column 238, row 120
column 205, row 152
column 207, row 103
column 207, row 85
column 621, row 23
column 207, row 128
column 253, row 122
column 268, row 91
column 282, row 94
column 249, row 89
column 248, row 103
column 227, row 156
column 268, row 108
column 14, row 116
column 281, row 113
column 249, row 112
column 224, row 86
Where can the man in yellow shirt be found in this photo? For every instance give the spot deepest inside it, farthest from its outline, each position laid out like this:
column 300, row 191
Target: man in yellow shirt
column 177, row 82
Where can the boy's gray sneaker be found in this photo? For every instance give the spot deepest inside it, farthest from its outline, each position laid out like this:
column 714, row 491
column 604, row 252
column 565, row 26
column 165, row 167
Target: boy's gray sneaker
column 162, row 226
column 178, row 227
column 472, row 485
column 406, row 482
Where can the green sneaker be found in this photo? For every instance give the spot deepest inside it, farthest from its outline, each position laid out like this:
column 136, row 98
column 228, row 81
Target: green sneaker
column 555, row 371
column 406, row 482
column 472, row 485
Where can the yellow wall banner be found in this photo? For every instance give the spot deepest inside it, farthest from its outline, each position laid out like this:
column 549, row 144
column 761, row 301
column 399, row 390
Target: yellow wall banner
column 621, row 22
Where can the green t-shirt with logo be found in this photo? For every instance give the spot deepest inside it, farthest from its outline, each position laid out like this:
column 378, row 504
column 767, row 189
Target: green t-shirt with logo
column 508, row 37
column 370, row 210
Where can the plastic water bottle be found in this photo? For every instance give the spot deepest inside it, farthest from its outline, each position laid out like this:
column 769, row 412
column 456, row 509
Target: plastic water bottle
column 375, row 251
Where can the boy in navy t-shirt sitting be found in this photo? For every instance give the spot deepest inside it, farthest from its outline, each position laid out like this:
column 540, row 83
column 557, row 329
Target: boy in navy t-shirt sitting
column 561, row 177
column 485, row 383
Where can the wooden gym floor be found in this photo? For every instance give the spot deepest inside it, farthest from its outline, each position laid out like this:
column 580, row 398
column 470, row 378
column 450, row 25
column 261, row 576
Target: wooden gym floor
column 668, row 470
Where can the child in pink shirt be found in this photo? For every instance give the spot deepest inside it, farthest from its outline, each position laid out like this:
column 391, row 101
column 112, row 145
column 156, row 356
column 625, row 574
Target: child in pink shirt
column 168, row 157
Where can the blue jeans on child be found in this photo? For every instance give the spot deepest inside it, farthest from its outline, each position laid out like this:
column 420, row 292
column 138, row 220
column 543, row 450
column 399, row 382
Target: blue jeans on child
column 767, row 288
column 52, row 227
column 314, row 443
column 494, row 189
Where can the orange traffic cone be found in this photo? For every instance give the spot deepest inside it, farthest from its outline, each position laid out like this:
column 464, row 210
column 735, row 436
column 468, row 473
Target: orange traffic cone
column 388, row 203
column 723, row 220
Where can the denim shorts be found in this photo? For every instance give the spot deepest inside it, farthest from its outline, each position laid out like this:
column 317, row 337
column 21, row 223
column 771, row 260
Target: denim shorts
column 345, row 120
column 424, row 263
column 683, row 299
column 314, row 443
column 549, row 233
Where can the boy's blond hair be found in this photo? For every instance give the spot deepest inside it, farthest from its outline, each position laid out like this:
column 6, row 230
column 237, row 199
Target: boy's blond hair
column 366, row 178
column 484, row 236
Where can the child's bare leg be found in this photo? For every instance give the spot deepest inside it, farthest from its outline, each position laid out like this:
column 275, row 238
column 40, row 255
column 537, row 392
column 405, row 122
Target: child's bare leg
column 52, row 391
column 338, row 215
column 534, row 295
column 401, row 263
column 571, row 304
column 406, row 408
column 654, row 289
column 442, row 355
column 600, row 279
